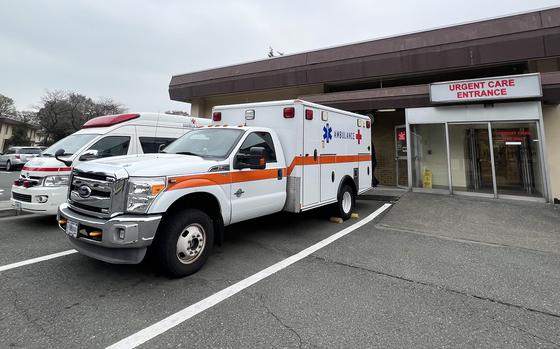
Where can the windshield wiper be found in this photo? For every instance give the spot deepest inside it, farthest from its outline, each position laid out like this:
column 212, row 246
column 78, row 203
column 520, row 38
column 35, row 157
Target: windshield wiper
column 187, row 153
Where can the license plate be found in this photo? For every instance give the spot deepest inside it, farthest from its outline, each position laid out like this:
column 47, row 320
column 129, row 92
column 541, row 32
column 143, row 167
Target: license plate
column 17, row 205
column 72, row 229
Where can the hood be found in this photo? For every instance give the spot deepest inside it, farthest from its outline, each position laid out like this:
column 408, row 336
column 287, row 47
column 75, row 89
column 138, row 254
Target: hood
column 44, row 166
column 149, row 165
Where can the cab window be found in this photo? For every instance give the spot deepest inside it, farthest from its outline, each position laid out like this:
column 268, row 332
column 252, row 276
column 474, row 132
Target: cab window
column 259, row 139
column 111, row 146
column 153, row 144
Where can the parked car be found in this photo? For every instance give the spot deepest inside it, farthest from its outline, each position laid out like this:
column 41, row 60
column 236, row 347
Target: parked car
column 16, row 157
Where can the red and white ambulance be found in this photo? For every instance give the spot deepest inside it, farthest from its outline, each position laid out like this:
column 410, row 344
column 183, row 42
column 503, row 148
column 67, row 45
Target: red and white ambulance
column 254, row 160
column 43, row 183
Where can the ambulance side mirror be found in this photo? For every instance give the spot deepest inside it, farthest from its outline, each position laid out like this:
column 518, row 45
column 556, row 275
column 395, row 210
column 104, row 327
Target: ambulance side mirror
column 255, row 160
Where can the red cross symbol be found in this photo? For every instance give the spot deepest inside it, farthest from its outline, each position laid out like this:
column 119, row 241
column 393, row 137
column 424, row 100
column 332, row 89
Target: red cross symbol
column 359, row 136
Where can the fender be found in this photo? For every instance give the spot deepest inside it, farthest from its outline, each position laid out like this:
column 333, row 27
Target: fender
column 345, row 179
column 169, row 197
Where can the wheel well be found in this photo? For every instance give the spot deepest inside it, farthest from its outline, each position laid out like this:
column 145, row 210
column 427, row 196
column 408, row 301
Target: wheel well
column 347, row 180
column 205, row 202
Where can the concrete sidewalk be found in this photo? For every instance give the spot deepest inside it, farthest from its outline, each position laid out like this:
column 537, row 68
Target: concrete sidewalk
column 520, row 224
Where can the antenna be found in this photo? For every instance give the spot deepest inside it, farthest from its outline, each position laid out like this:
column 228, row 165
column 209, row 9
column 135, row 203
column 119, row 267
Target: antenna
column 157, row 124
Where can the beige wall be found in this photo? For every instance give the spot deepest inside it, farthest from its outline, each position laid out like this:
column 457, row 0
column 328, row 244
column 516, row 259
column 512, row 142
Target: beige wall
column 6, row 133
column 551, row 119
column 202, row 107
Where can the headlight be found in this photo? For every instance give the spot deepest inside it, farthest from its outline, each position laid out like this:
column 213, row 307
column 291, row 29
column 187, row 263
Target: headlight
column 55, row 181
column 142, row 192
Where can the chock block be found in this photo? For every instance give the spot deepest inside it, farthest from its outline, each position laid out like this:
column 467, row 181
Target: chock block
column 355, row 215
column 336, row 220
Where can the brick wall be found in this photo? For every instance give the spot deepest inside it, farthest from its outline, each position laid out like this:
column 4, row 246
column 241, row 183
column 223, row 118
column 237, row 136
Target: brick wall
column 384, row 141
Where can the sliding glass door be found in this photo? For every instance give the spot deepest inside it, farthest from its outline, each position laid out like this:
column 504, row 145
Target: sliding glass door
column 517, row 159
column 471, row 161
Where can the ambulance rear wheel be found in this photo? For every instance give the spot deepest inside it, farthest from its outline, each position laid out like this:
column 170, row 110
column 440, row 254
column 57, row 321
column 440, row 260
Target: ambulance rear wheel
column 183, row 242
column 346, row 202
column 8, row 166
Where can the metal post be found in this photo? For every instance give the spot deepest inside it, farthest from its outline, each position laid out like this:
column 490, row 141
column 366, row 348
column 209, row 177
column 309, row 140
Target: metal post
column 492, row 160
column 448, row 157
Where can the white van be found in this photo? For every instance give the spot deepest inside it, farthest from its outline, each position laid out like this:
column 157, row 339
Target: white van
column 43, row 184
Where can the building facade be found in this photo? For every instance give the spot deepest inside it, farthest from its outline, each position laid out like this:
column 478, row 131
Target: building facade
column 471, row 109
column 6, row 130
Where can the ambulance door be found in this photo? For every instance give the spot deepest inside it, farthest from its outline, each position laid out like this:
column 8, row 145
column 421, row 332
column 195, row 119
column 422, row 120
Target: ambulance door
column 312, row 131
column 256, row 193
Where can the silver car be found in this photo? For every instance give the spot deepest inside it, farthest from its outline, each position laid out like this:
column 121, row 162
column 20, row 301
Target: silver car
column 16, row 157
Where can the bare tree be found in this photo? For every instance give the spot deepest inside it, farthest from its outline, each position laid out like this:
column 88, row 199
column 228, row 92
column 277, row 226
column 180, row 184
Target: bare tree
column 7, row 107
column 177, row 112
column 62, row 112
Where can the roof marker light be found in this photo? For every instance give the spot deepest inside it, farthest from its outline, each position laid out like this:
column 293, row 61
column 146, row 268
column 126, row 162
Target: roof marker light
column 109, row 120
column 289, row 112
column 308, row 114
column 250, row 114
column 216, row 116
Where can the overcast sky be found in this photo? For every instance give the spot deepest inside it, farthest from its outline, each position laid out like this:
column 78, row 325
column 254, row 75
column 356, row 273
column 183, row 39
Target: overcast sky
column 128, row 50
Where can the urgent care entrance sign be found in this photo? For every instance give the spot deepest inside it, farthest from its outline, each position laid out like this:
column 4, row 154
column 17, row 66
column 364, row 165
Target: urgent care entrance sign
column 503, row 87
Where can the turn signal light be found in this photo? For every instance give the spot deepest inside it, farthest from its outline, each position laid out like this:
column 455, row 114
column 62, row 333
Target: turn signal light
column 289, row 112
column 216, row 116
column 62, row 221
column 308, row 114
column 94, row 234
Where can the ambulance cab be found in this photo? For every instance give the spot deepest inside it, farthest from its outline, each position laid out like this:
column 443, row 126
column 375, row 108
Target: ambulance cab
column 43, row 183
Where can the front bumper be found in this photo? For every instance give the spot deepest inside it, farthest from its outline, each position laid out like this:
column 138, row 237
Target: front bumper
column 113, row 246
column 56, row 196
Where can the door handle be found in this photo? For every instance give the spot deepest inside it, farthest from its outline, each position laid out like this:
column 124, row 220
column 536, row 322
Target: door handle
column 315, row 155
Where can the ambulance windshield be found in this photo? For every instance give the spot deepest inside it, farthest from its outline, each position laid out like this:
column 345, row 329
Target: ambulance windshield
column 70, row 144
column 212, row 143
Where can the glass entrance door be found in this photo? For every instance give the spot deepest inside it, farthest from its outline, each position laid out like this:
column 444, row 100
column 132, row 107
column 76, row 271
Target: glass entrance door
column 471, row 160
column 401, row 156
column 517, row 159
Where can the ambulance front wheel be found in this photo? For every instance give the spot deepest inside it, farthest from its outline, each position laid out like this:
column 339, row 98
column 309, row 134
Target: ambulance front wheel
column 183, row 242
column 346, row 202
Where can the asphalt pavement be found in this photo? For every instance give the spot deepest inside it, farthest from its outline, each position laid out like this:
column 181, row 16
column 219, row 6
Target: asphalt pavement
column 6, row 180
column 486, row 276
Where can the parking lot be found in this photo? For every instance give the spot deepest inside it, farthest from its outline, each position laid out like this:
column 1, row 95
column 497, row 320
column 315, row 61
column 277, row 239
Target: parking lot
column 6, row 180
column 430, row 271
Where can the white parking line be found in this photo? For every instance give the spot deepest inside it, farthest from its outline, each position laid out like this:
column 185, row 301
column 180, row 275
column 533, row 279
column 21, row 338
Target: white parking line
column 179, row 317
column 36, row 260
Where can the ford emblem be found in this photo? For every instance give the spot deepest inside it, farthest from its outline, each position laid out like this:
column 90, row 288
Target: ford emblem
column 84, row 191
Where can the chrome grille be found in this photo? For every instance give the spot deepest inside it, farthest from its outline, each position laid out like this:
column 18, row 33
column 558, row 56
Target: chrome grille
column 96, row 194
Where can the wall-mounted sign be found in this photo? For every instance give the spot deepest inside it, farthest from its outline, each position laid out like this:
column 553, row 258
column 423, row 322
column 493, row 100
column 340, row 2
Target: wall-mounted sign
column 503, row 87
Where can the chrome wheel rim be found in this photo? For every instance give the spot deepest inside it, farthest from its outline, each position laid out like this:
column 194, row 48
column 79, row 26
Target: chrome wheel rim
column 8, row 166
column 346, row 202
column 190, row 243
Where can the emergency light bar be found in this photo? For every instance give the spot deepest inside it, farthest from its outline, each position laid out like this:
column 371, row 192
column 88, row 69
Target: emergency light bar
column 109, row 120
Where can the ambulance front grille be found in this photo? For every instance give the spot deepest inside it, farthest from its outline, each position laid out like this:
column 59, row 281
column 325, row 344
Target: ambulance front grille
column 99, row 195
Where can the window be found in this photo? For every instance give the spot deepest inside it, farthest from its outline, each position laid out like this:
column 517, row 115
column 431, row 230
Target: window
column 111, row 146
column 70, row 144
column 211, row 143
column 11, row 151
column 29, row 151
column 153, row 144
column 259, row 139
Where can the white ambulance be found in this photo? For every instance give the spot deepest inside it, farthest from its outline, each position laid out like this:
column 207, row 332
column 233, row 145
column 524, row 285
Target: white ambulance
column 43, row 183
column 256, row 159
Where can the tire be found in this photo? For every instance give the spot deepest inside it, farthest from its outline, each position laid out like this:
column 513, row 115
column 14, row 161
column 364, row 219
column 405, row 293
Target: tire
column 184, row 241
column 8, row 166
column 346, row 202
